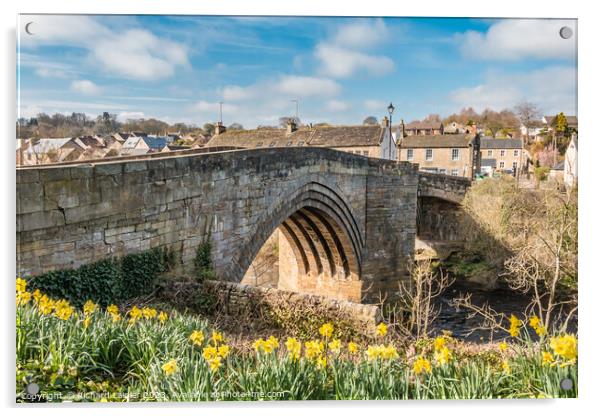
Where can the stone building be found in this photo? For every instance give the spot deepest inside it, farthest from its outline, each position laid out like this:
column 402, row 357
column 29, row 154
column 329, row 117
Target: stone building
column 451, row 154
column 422, row 128
column 370, row 141
column 507, row 154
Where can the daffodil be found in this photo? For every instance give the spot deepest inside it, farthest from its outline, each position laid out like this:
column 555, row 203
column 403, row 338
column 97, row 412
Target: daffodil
column 45, row 305
column 170, row 367
column 547, row 358
column 115, row 317
column 313, row 349
column 381, row 329
column 223, row 351
column 217, row 337
column 149, row 313
column 334, row 345
column 503, row 346
column 506, row 367
column 214, row 363
column 23, row 298
column 321, row 361
column 565, row 346
column 443, row 356
column 209, row 353
column 326, row 330
column 352, row 347
column 135, row 314
column 197, row 337
column 515, row 325
column 162, row 317
column 439, row 343
column 422, row 365
column 534, row 322
column 21, row 285
column 87, row 322
column 293, row 347
column 63, row 310
column 37, row 295
column 113, row 309
column 89, row 307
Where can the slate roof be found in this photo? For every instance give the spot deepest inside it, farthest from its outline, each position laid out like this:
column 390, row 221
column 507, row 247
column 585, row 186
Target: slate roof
column 327, row 136
column 155, row 143
column 489, row 162
column 437, row 140
column 491, row 143
column 422, row 125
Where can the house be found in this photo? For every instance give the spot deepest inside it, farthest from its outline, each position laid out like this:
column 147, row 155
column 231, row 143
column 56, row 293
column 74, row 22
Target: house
column 536, row 129
column 570, row 162
column 121, row 137
column 451, row 154
column 136, row 145
column 549, row 122
column 424, row 128
column 509, row 154
column 366, row 140
column 49, row 150
column 456, row 128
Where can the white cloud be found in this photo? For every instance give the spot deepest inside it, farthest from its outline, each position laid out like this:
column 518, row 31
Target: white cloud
column 362, row 34
column 345, row 53
column 336, row 106
column 342, row 63
column 130, row 115
column 84, row 86
column 515, row 39
column 287, row 87
column 132, row 53
column 375, row 105
column 213, row 107
column 554, row 89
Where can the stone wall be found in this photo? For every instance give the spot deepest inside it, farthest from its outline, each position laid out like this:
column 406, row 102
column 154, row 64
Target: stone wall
column 356, row 216
column 449, row 188
column 241, row 301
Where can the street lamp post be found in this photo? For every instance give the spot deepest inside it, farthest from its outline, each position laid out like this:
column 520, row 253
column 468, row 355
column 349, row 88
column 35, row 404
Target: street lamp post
column 390, row 108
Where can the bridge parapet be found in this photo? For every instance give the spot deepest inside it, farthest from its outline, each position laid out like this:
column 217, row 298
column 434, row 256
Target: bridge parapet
column 447, row 187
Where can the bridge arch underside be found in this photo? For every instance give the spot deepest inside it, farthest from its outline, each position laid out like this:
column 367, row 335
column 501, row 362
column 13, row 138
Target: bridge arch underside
column 315, row 249
column 438, row 224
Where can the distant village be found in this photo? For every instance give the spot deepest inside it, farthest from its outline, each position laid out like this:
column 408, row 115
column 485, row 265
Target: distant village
column 527, row 146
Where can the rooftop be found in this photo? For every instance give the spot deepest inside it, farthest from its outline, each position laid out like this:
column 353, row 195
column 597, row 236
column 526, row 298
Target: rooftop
column 491, row 143
column 437, row 140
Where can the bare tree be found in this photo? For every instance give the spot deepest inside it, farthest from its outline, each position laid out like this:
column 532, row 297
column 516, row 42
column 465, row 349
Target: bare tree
column 529, row 114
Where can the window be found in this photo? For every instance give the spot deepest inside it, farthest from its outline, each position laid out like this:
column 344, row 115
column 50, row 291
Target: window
column 429, row 154
column 502, row 153
column 358, row 152
column 514, row 165
column 455, row 154
column 502, row 165
column 489, row 153
column 515, row 152
column 366, row 153
column 443, row 171
column 454, row 172
column 410, row 154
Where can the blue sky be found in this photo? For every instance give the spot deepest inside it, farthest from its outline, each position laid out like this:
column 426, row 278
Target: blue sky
column 178, row 68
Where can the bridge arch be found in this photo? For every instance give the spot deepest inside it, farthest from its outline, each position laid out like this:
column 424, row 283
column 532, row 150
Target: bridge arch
column 317, row 226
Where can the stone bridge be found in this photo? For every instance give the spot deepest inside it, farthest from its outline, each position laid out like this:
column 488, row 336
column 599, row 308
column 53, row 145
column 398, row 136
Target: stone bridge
column 349, row 221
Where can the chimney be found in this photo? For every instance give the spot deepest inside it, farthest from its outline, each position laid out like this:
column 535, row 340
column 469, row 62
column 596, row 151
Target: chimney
column 473, row 128
column 219, row 128
column 291, row 126
column 402, row 129
column 385, row 122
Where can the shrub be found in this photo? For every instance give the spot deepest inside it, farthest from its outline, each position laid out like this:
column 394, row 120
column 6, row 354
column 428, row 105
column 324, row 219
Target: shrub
column 106, row 281
column 203, row 265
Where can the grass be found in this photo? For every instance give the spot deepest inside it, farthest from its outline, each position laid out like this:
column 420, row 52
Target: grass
column 95, row 356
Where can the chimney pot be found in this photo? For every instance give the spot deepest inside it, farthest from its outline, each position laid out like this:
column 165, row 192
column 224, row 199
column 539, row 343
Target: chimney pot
column 291, row 126
column 385, row 122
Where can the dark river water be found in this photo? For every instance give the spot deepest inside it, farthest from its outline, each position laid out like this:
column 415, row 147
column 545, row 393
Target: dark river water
column 501, row 300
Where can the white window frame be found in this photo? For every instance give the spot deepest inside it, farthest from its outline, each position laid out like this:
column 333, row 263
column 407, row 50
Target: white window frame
column 426, row 154
column 502, row 165
column 410, row 154
column 455, row 172
column 515, row 152
column 489, row 153
column 502, row 153
column 457, row 154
